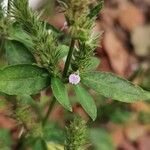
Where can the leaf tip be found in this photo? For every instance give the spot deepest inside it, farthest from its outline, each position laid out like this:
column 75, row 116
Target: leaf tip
column 94, row 116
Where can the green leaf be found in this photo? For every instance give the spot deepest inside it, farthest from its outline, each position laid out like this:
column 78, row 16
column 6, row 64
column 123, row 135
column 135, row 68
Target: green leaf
column 101, row 140
column 86, row 101
column 23, row 80
column 60, row 92
column 114, row 87
column 18, row 34
column 17, row 53
column 95, row 11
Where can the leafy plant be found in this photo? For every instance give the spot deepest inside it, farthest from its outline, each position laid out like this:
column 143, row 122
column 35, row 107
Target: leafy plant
column 33, row 52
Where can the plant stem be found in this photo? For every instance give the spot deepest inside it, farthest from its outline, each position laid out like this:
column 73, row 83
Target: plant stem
column 52, row 103
column 64, row 75
column 68, row 58
column 8, row 7
column 20, row 143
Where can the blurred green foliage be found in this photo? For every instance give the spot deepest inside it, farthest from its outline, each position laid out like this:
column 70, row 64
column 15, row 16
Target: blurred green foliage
column 5, row 139
column 101, row 139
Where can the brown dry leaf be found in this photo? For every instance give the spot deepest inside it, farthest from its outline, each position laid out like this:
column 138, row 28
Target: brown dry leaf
column 144, row 142
column 104, row 65
column 79, row 110
column 107, row 17
column 116, row 52
column 126, row 145
column 57, row 115
column 140, row 106
column 144, row 2
column 133, row 132
column 118, row 137
column 147, row 1
column 6, row 122
column 57, row 20
column 141, row 40
column 97, row 29
column 129, row 16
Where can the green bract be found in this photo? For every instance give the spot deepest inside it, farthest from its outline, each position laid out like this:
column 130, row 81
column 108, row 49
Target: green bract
column 17, row 33
column 95, row 11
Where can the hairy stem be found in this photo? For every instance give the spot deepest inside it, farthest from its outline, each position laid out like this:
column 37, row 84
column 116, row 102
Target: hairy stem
column 67, row 64
column 8, row 7
column 52, row 103
column 64, row 75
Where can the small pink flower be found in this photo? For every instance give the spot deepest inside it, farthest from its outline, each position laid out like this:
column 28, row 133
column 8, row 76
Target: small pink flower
column 74, row 78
